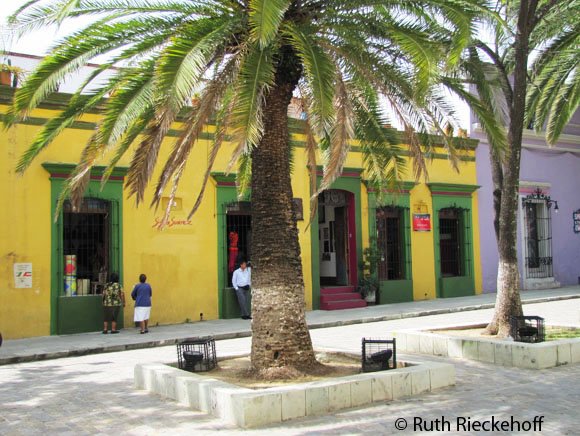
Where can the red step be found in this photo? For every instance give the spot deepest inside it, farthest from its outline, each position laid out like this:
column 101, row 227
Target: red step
column 338, row 305
column 336, row 290
column 339, row 297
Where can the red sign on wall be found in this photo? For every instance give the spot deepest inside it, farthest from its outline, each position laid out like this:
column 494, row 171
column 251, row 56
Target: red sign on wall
column 421, row 222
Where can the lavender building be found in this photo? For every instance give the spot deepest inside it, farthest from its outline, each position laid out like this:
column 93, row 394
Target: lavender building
column 548, row 235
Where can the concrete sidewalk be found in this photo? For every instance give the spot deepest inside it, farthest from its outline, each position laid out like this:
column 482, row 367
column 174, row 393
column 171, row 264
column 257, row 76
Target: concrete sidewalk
column 53, row 347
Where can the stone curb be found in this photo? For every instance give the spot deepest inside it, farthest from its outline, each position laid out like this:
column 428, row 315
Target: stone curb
column 246, row 333
column 249, row 408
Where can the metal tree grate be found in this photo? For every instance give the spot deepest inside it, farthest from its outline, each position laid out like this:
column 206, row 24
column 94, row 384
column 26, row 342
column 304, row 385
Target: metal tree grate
column 378, row 354
column 527, row 328
column 197, row 354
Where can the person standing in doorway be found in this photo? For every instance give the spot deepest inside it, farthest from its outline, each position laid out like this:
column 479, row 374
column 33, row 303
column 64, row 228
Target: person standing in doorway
column 142, row 295
column 241, row 281
column 113, row 298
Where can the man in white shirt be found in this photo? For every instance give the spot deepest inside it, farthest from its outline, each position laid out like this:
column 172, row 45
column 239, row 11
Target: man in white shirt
column 241, row 281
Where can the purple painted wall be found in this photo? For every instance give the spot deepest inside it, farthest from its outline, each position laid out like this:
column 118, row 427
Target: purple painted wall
column 559, row 166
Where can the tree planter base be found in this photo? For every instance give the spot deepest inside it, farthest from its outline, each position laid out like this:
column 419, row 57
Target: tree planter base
column 499, row 352
column 246, row 408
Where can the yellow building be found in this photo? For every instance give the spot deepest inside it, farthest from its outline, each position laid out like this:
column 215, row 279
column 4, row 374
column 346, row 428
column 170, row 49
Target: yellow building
column 427, row 235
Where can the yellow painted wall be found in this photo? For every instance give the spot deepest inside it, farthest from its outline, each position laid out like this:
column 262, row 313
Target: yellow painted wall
column 422, row 248
column 25, row 237
column 181, row 261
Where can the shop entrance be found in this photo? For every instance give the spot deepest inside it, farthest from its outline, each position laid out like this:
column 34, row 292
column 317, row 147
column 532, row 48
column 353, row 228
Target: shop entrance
column 336, row 238
column 88, row 252
column 239, row 235
column 86, row 245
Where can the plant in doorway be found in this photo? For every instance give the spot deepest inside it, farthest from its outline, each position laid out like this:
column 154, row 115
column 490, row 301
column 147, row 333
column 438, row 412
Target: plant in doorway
column 368, row 284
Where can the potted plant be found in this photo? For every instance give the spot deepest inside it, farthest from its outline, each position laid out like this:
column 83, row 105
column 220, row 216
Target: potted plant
column 368, row 284
column 10, row 75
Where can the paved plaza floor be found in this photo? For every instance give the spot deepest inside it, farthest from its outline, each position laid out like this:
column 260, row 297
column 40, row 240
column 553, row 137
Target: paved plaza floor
column 94, row 394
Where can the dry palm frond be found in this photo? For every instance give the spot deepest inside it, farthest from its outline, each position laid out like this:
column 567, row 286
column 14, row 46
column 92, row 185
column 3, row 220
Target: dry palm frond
column 78, row 181
column 311, row 147
column 145, row 156
column 220, row 135
column 212, row 93
column 342, row 133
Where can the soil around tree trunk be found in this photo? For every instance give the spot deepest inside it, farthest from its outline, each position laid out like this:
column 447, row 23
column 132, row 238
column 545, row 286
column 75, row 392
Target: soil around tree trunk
column 239, row 371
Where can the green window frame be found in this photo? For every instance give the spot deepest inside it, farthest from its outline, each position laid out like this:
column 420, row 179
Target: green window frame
column 459, row 198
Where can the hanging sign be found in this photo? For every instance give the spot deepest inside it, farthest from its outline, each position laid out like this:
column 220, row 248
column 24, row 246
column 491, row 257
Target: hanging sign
column 23, row 275
column 576, row 219
column 421, row 222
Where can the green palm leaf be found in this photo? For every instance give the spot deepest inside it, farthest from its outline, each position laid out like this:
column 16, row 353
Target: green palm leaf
column 265, row 18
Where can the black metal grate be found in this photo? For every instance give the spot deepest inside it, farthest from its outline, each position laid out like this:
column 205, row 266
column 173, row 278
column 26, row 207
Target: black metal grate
column 538, row 239
column 197, row 354
column 390, row 242
column 86, row 234
column 238, row 236
column 527, row 328
column 450, row 242
column 378, row 354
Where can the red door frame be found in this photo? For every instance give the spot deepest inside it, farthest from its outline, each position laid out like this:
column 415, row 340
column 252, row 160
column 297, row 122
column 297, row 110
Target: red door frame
column 351, row 226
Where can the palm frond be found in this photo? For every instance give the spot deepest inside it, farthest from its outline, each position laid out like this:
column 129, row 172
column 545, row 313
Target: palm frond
column 212, row 94
column 222, row 121
column 55, row 126
column 256, row 77
column 265, row 19
column 342, row 133
column 319, row 72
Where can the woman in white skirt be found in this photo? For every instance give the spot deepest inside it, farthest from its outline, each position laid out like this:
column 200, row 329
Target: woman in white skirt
column 142, row 295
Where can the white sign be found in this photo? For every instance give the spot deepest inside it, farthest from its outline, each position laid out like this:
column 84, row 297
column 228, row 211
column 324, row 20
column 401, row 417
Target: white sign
column 23, row 275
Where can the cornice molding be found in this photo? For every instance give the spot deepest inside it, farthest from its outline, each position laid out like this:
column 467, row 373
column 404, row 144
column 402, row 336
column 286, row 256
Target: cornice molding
column 61, row 170
column 452, row 189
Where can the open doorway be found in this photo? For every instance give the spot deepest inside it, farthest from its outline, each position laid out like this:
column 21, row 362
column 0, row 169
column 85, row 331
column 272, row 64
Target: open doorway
column 86, row 244
column 336, row 238
column 239, row 235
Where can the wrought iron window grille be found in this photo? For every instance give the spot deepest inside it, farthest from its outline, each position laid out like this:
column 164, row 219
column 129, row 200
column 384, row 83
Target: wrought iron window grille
column 454, row 246
column 536, row 195
column 391, row 242
column 538, row 234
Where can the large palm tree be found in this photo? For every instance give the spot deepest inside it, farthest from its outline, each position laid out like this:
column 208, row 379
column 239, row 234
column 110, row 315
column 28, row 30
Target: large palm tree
column 554, row 93
column 247, row 59
column 497, row 66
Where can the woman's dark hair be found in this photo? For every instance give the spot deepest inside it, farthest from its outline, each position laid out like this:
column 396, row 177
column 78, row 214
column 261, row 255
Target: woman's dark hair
column 142, row 278
column 114, row 278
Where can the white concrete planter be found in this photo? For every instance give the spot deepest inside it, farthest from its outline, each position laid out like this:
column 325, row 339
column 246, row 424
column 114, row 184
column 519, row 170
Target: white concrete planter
column 245, row 407
column 518, row 354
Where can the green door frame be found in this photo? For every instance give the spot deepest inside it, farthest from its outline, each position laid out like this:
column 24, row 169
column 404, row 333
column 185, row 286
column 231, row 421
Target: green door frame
column 226, row 193
column 394, row 291
column 76, row 307
column 350, row 180
column 447, row 195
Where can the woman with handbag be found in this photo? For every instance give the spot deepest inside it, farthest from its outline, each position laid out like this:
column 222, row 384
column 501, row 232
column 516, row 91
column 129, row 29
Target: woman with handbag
column 113, row 298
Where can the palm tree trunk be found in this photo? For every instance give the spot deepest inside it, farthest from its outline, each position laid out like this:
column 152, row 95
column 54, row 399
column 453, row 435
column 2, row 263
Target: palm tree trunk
column 508, row 301
column 280, row 336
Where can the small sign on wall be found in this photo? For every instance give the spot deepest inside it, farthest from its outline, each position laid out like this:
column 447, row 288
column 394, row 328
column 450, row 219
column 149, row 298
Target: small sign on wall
column 23, row 275
column 421, row 222
column 576, row 220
